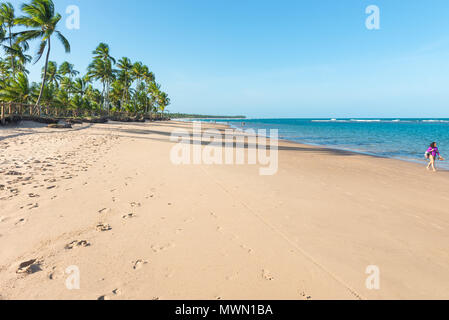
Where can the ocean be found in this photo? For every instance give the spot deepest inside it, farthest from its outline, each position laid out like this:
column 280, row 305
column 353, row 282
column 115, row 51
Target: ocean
column 404, row 139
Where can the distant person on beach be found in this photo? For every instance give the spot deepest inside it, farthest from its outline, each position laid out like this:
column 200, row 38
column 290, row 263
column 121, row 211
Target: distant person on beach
column 431, row 155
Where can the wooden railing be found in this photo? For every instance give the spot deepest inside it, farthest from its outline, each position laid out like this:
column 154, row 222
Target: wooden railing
column 11, row 109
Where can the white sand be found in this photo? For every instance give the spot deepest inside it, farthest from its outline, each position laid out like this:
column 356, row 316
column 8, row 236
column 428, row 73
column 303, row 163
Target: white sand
column 158, row 231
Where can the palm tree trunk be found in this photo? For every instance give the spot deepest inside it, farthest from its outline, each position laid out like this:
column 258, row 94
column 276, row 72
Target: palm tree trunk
column 124, row 94
column 12, row 55
column 45, row 74
column 107, row 95
column 104, row 94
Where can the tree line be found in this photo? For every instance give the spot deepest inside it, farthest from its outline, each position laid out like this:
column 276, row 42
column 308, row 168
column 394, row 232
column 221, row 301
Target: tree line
column 125, row 86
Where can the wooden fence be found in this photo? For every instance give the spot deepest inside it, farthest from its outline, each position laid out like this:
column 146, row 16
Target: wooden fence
column 12, row 109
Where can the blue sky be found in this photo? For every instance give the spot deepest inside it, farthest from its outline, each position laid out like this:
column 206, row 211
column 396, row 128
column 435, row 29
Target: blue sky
column 302, row 58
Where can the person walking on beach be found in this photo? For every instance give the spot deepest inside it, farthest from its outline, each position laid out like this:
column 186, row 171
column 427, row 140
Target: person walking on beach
column 431, row 155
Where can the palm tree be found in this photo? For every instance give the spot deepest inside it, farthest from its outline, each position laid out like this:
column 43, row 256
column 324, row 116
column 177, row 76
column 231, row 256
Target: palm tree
column 153, row 92
column 116, row 93
column 149, row 79
column 17, row 90
column 7, row 18
column 80, row 86
column 163, row 101
column 131, row 88
column 4, row 70
column 101, row 53
column 52, row 73
column 68, row 69
column 141, row 98
column 63, row 97
column 103, row 71
column 125, row 76
column 49, row 95
column 77, row 103
column 20, row 59
column 67, row 85
column 93, row 96
column 41, row 17
column 148, row 76
column 138, row 71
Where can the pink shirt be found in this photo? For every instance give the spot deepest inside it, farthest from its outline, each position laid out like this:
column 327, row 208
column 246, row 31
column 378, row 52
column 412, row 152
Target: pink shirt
column 433, row 151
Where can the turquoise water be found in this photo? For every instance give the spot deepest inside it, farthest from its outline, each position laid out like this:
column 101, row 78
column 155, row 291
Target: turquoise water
column 405, row 139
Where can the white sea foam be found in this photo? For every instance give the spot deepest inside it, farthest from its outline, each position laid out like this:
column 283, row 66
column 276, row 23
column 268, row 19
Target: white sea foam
column 437, row 121
column 332, row 120
column 361, row 120
column 358, row 120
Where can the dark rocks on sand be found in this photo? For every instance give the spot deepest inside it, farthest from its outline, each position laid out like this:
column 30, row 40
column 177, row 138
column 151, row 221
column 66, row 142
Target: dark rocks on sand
column 95, row 120
column 74, row 121
column 60, row 126
column 31, row 266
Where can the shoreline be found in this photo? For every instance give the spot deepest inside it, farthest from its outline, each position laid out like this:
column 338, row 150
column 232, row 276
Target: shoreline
column 411, row 161
column 154, row 230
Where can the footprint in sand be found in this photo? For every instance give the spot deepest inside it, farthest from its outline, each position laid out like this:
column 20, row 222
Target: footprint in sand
column 189, row 220
column 103, row 227
column 247, row 249
column 158, row 248
column 135, row 204
column 21, row 222
column 77, row 244
column 104, row 210
column 33, row 206
column 56, row 274
column 129, row 216
column 52, row 276
column 305, row 296
column 29, row 267
column 232, row 277
column 117, row 292
column 13, row 173
column 267, row 275
column 139, row 264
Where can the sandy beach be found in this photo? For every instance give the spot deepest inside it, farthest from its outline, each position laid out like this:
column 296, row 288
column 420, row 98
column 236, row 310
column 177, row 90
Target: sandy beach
column 107, row 199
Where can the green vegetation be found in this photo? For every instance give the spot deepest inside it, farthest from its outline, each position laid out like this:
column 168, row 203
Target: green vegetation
column 125, row 86
column 199, row 116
